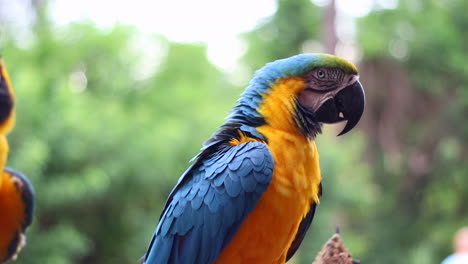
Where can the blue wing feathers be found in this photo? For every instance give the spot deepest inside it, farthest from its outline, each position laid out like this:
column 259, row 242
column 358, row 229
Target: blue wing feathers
column 183, row 223
column 193, row 193
column 215, row 204
column 209, row 203
column 245, row 169
column 220, row 189
column 235, row 164
column 192, row 245
column 257, row 160
column 232, row 187
column 197, row 202
column 248, row 183
column 209, row 196
column 219, row 178
column 204, row 187
column 184, row 191
column 178, row 209
column 166, row 225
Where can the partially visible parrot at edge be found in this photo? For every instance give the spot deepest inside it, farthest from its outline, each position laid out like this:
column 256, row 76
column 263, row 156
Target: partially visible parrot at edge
column 251, row 193
column 16, row 192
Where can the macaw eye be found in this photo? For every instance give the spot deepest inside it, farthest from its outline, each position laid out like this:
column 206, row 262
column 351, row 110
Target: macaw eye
column 321, row 74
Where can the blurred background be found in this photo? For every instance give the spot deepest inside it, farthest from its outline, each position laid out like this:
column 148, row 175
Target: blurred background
column 114, row 98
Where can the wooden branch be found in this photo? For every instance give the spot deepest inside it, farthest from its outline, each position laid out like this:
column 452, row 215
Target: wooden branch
column 334, row 252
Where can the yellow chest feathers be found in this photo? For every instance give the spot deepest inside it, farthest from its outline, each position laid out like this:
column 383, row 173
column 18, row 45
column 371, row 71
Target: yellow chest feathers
column 297, row 171
column 268, row 231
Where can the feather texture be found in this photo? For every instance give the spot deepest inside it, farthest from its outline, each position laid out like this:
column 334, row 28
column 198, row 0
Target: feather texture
column 16, row 206
column 232, row 205
column 208, row 206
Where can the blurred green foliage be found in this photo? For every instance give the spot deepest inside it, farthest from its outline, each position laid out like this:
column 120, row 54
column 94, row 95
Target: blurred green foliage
column 107, row 120
column 424, row 203
column 103, row 148
column 283, row 34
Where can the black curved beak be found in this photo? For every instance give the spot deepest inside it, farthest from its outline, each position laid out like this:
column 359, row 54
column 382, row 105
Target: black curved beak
column 348, row 102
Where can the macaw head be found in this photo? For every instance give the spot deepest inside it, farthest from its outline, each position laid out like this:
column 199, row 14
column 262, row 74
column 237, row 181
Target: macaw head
column 332, row 92
column 301, row 93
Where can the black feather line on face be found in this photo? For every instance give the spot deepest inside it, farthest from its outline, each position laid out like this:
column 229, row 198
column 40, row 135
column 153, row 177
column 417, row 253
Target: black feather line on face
column 306, row 121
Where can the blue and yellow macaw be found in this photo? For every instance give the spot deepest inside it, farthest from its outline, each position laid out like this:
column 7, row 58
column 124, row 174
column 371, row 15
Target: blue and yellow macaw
column 251, row 193
column 16, row 192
